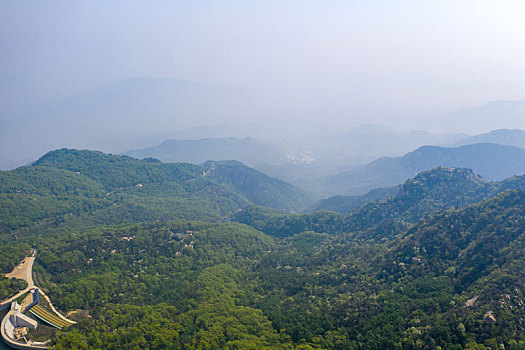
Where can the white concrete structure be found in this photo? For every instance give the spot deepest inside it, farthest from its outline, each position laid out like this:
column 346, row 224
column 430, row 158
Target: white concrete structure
column 18, row 319
column 15, row 319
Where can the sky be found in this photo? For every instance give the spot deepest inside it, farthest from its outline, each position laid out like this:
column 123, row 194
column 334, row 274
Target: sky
column 343, row 63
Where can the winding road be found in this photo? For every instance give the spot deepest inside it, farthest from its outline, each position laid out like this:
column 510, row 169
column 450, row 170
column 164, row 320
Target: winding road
column 23, row 271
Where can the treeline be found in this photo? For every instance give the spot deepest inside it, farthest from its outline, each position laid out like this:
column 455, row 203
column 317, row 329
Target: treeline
column 199, row 285
column 425, row 269
column 427, row 193
column 90, row 187
column 11, row 253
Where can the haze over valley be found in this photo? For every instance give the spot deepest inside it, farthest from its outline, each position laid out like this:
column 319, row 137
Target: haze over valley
column 262, row 175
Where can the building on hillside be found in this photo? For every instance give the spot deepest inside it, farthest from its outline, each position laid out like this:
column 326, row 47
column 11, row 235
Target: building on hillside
column 35, row 298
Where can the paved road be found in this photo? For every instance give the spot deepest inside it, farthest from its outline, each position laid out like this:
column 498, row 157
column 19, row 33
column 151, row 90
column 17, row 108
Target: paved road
column 23, row 271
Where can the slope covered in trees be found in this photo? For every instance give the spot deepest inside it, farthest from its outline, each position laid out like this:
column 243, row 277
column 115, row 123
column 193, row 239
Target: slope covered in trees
column 427, row 193
column 345, row 204
column 438, row 265
column 67, row 184
column 229, row 286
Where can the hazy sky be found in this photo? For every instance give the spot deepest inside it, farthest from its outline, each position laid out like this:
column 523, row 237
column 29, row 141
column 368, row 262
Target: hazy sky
column 348, row 62
column 412, row 54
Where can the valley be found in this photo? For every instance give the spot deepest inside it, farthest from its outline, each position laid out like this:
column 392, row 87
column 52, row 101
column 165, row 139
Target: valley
column 262, row 175
column 219, row 255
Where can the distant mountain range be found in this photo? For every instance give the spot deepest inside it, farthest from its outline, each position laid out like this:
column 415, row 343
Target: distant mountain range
column 362, row 145
column 376, row 140
column 357, row 146
column 491, row 161
column 509, row 137
column 347, row 150
column 246, row 150
column 502, row 114
column 127, row 114
column 334, row 171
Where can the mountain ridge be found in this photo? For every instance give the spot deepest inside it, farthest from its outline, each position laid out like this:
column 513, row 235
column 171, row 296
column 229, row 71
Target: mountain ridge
column 95, row 187
column 425, row 194
column 509, row 137
column 491, row 161
column 246, row 150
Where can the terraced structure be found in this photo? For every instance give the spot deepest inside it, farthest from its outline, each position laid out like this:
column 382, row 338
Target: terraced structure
column 49, row 317
column 32, row 303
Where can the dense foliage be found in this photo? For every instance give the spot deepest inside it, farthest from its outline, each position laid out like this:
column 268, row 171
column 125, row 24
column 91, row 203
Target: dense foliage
column 94, row 187
column 122, row 171
column 346, row 204
column 438, row 266
column 10, row 255
column 440, row 187
column 237, row 286
column 256, row 186
column 427, row 193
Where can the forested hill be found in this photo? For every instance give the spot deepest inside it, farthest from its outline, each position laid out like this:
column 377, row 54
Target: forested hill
column 345, row 204
column 123, row 171
column 455, row 281
column 140, row 254
column 427, row 193
column 257, row 187
column 94, row 187
column 117, row 171
column 492, row 161
column 46, row 181
column 468, row 243
column 445, row 185
column 479, row 250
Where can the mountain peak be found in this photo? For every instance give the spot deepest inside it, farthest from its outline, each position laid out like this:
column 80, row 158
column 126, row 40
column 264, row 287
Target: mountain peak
column 440, row 178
